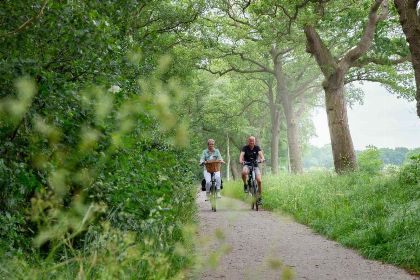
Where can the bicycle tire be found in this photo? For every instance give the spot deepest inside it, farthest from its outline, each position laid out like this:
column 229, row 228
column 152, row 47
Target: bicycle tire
column 255, row 194
column 250, row 190
column 213, row 197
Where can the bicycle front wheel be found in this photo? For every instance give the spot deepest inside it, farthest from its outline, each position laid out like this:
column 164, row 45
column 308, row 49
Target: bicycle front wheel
column 255, row 194
column 213, row 197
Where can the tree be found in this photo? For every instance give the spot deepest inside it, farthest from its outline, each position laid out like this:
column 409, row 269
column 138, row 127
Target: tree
column 410, row 22
column 337, row 71
column 252, row 49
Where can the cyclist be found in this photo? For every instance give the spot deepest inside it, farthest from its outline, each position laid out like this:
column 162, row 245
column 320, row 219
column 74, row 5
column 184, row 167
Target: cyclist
column 250, row 153
column 211, row 153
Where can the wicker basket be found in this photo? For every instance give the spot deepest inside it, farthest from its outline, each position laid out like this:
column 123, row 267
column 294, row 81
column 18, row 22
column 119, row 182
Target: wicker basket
column 213, row 165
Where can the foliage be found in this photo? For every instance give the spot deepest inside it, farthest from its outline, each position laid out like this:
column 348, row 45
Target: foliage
column 95, row 180
column 316, row 157
column 410, row 172
column 394, row 156
column 369, row 160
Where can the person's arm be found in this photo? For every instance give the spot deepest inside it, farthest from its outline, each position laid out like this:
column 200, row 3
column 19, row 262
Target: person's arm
column 241, row 157
column 203, row 157
column 261, row 155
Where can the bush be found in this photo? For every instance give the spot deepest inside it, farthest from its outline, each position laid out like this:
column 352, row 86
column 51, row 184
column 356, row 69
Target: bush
column 391, row 169
column 370, row 161
column 410, row 172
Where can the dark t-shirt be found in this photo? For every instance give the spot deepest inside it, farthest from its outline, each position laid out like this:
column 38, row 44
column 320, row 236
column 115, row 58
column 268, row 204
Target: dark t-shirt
column 250, row 155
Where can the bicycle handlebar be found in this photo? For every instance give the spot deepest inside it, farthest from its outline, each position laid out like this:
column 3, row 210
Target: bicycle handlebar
column 213, row 160
column 251, row 162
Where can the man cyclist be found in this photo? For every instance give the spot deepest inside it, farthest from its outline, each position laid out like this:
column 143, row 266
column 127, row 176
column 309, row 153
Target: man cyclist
column 211, row 154
column 250, row 153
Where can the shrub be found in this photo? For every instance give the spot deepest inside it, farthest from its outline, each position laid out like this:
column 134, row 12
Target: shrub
column 370, row 161
column 410, row 173
column 391, row 169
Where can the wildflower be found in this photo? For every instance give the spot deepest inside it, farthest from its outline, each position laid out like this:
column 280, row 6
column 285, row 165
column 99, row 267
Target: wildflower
column 114, row 89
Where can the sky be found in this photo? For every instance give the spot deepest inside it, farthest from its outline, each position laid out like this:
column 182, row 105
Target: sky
column 384, row 121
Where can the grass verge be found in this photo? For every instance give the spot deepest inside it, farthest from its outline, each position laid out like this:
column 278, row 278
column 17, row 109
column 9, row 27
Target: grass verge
column 377, row 215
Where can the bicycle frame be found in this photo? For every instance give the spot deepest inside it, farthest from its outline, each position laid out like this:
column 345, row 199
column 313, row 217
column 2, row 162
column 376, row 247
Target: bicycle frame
column 252, row 184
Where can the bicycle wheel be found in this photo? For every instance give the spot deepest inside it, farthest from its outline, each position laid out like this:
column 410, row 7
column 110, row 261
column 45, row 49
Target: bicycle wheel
column 213, row 196
column 255, row 194
column 252, row 194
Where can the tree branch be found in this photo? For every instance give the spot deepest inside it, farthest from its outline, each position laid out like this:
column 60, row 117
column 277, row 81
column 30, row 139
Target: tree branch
column 29, row 22
column 365, row 42
column 262, row 67
column 220, row 72
column 291, row 17
column 317, row 48
column 231, row 69
column 232, row 17
column 282, row 52
column 380, row 61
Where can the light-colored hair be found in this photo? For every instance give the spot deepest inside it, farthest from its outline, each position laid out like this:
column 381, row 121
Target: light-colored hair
column 210, row 141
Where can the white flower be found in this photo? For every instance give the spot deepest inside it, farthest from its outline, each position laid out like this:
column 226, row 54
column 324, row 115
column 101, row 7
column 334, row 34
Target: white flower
column 114, row 89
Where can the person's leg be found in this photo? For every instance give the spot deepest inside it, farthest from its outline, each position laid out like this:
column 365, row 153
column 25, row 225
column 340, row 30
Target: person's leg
column 218, row 180
column 218, row 183
column 259, row 183
column 245, row 171
column 207, row 176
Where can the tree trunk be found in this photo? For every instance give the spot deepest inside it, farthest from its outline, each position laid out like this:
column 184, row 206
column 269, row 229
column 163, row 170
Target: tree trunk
column 234, row 166
column 410, row 23
column 236, row 173
column 228, row 158
column 295, row 155
column 334, row 72
column 275, row 139
column 275, row 131
column 292, row 129
column 341, row 141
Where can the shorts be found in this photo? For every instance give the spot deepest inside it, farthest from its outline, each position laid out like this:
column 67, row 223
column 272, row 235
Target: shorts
column 256, row 169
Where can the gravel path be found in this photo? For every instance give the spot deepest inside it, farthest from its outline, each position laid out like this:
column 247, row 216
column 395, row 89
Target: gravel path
column 263, row 245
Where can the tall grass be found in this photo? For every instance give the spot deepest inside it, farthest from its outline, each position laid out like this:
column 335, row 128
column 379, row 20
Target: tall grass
column 377, row 215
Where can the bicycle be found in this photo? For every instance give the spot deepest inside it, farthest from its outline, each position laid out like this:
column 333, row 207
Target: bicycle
column 212, row 166
column 252, row 184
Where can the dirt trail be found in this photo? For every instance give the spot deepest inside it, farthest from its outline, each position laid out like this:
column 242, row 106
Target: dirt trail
column 264, row 245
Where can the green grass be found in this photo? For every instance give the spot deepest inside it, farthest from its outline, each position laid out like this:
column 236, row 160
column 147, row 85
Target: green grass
column 377, row 215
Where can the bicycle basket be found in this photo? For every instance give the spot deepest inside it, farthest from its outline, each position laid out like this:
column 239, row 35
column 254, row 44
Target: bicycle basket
column 213, row 166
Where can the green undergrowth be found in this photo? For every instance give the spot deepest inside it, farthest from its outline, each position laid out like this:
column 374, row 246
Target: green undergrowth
column 379, row 215
column 141, row 226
